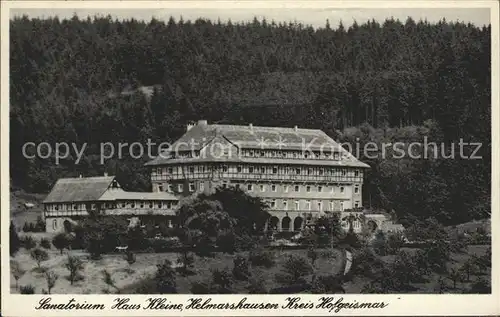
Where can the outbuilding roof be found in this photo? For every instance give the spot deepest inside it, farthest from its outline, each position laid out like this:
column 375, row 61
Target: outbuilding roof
column 79, row 189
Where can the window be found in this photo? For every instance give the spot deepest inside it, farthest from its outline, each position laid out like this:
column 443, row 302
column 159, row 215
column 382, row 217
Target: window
column 356, row 204
column 224, row 168
column 150, row 205
column 191, row 187
column 341, row 189
column 250, row 169
column 297, row 171
column 356, row 173
column 263, row 170
column 169, row 204
column 142, row 205
column 285, row 188
column 250, row 187
column 238, row 169
column 123, row 205
column 159, row 204
column 179, row 187
column 237, row 186
column 170, row 170
column 331, row 206
column 224, row 185
column 275, row 170
column 308, row 189
column 169, row 188
column 297, row 205
column 273, row 203
column 320, row 189
column 75, row 207
column 132, row 205
column 262, row 188
column 285, row 205
column 191, row 169
column 202, row 186
column 160, row 188
column 320, row 205
column 308, row 205
column 356, row 189
column 56, row 208
column 273, row 188
column 297, row 188
column 344, row 172
column 54, row 224
column 341, row 206
column 309, row 171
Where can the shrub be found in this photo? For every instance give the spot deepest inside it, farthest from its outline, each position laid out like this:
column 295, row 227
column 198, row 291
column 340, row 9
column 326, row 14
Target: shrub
column 226, row 242
column 74, row 265
column 222, row 281
column 256, row 285
column 240, row 268
column 51, row 278
column 245, row 242
column 39, row 255
column 395, row 242
column 328, row 254
column 186, row 260
column 40, row 225
column 27, row 289
column 130, row 257
column 17, row 271
column 312, row 254
column 458, row 244
column 438, row 254
column 327, row 284
column 380, row 244
column 261, row 258
column 481, row 286
column 28, row 242
column 108, row 279
column 14, row 241
column 61, row 241
column 366, row 263
column 165, row 278
column 294, row 270
column 163, row 245
column 45, row 243
column 137, row 240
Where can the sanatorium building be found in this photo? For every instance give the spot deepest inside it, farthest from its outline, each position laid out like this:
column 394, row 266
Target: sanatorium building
column 300, row 173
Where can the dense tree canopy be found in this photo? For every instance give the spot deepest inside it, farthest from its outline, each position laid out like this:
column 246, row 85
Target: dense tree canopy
column 85, row 80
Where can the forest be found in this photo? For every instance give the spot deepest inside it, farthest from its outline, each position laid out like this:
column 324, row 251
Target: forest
column 83, row 80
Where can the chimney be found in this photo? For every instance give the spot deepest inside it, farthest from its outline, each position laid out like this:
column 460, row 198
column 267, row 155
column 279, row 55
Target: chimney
column 105, row 174
column 251, row 127
column 80, row 176
column 296, row 128
column 202, row 122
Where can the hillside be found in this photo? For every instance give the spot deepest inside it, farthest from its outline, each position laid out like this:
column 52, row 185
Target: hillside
column 73, row 81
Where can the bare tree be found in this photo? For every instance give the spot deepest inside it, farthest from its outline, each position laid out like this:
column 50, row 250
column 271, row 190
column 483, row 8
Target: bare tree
column 51, row 278
column 74, row 265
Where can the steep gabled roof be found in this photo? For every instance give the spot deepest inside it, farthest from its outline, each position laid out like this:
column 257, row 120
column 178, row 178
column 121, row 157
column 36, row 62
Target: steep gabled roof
column 79, row 189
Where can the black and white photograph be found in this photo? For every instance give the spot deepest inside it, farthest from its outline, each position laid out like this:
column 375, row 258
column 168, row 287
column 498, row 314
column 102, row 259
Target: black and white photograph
column 253, row 150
